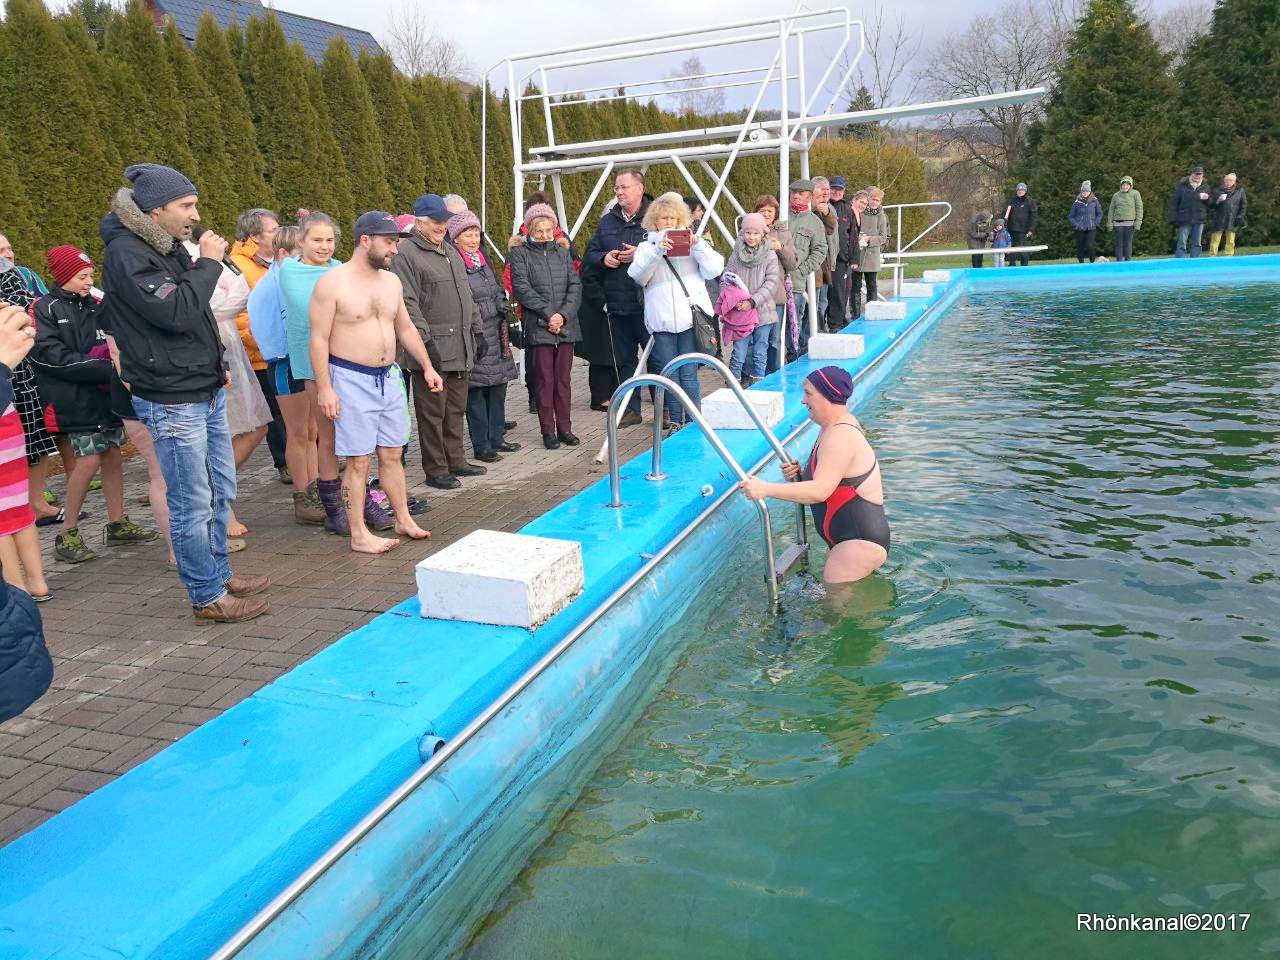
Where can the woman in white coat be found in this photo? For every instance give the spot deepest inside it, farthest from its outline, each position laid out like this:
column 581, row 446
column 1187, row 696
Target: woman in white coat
column 671, row 285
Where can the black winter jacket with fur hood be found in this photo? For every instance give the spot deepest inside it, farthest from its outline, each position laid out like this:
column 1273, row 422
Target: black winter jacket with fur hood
column 157, row 308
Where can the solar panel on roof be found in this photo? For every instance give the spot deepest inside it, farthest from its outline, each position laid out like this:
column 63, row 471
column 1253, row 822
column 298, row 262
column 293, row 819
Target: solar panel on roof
column 314, row 35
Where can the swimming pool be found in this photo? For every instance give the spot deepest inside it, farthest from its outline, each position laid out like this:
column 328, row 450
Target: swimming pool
column 1059, row 697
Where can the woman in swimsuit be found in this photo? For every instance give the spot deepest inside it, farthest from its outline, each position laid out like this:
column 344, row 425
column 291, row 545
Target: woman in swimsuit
column 841, row 482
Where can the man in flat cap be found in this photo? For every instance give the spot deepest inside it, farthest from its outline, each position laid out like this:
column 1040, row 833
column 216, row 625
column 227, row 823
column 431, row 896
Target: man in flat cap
column 809, row 235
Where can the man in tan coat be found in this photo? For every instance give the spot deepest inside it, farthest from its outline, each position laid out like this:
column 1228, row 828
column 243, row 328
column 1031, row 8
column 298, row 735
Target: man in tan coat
column 439, row 302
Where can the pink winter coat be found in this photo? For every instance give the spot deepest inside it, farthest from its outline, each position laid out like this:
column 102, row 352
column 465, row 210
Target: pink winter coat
column 737, row 324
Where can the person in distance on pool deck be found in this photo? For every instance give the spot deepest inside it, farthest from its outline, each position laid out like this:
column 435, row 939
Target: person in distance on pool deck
column 841, row 482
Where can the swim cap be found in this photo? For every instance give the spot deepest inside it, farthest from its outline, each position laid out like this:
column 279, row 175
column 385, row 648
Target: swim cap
column 834, row 383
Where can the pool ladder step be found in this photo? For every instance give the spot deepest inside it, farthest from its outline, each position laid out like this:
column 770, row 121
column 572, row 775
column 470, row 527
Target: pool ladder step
column 789, row 557
column 775, row 568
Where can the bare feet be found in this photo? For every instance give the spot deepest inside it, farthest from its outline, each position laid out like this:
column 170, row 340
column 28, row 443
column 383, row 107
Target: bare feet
column 37, row 588
column 412, row 531
column 235, row 528
column 368, row 543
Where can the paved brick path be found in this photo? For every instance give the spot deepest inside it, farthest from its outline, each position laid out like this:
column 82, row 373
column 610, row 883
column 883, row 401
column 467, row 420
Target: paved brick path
column 133, row 670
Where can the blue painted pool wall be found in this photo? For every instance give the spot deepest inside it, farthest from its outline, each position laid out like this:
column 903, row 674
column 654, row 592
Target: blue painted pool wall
column 416, row 886
column 170, row 859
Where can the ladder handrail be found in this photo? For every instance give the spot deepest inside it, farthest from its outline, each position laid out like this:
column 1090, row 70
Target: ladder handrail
column 715, row 363
column 615, row 480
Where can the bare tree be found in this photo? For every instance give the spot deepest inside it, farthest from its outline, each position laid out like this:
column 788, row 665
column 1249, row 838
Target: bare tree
column 891, row 49
column 420, row 49
column 1177, row 28
column 884, row 77
column 1022, row 47
column 688, row 99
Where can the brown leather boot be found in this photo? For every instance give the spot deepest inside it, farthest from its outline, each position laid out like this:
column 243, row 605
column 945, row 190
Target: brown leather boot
column 306, row 511
column 230, row 610
column 247, row 586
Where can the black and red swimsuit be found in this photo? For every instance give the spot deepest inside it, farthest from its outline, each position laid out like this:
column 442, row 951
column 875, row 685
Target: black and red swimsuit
column 844, row 515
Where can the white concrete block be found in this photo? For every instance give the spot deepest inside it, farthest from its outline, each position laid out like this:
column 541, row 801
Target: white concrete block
column 509, row 579
column 885, row 310
column 723, row 411
column 937, row 276
column 835, row 346
column 916, row 290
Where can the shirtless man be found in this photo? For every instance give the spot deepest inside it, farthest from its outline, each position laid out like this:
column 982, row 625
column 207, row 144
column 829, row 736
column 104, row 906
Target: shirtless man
column 357, row 312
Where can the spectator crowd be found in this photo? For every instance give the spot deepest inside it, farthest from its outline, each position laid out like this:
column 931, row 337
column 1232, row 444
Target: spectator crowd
column 195, row 350
column 1193, row 205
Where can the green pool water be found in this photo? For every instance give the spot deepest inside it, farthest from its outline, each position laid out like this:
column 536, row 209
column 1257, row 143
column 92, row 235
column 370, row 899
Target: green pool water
column 1060, row 697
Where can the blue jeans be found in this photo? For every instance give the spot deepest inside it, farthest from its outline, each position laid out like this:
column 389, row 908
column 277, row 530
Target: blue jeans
column 1192, row 232
column 666, row 347
column 193, row 445
column 751, row 353
column 771, row 363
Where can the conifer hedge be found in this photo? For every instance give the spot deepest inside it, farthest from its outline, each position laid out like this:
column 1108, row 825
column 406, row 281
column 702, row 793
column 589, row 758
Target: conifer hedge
column 1118, row 110
column 255, row 122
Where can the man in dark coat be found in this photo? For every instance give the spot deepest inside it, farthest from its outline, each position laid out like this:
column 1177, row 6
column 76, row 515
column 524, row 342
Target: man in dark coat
column 612, row 247
column 597, row 343
column 846, row 256
column 25, row 667
column 1188, row 209
column 1021, row 216
column 156, row 305
column 1230, row 208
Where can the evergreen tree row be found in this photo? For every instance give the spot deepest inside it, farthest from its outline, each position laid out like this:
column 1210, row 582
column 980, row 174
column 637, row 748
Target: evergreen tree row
column 255, row 122
column 1118, row 109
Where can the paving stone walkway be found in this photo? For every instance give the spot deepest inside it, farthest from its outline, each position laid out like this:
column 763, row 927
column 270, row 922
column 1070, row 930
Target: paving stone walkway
column 134, row 671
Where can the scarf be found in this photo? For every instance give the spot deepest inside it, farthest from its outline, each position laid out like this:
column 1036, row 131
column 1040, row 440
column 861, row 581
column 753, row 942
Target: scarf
column 789, row 315
column 473, row 261
column 751, row 256
column 799, row 206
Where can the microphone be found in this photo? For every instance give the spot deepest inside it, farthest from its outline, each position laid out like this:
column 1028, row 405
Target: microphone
column 226, row 261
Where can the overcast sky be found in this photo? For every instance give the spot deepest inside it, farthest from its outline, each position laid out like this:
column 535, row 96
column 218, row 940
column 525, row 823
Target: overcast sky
column 488, row 30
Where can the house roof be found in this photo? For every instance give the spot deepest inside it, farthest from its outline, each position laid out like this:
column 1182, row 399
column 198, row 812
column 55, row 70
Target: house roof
column 314, row 35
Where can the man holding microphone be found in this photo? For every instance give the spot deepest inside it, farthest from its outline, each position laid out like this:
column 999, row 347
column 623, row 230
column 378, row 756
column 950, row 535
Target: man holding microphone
column 157, row 308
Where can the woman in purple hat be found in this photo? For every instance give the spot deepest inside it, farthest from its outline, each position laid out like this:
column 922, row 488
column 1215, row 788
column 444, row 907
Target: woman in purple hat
column 841, row 482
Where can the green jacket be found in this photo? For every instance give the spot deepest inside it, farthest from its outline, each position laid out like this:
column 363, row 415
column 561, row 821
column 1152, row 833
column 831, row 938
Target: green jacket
column 1125, row 206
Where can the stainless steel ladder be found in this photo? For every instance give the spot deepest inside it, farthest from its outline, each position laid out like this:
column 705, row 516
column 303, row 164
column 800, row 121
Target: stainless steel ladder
column 798, row 550
column 665, row 385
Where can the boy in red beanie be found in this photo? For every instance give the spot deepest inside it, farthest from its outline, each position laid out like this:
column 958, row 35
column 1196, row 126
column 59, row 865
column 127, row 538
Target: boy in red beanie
column 73, row 369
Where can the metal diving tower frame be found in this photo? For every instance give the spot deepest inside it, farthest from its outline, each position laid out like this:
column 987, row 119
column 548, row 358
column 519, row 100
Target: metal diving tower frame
column 801, row 113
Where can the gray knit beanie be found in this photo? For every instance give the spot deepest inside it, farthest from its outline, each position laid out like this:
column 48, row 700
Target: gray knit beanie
column 1086, row 186
column 155, row 185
